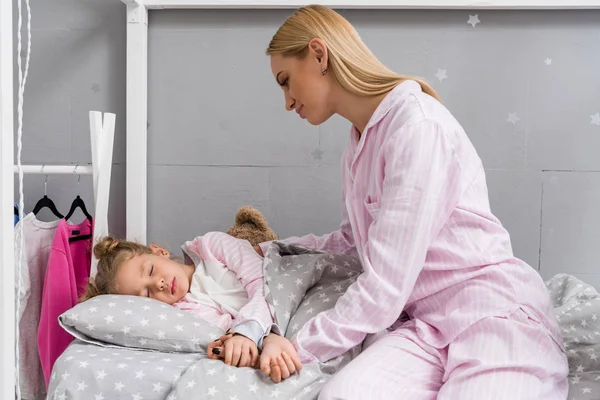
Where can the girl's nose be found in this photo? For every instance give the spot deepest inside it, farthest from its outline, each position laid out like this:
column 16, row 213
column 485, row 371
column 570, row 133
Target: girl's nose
column 160, row 284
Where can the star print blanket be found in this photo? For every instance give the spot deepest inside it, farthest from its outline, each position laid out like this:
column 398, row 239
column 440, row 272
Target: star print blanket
column 299, row 283
column 577, row 307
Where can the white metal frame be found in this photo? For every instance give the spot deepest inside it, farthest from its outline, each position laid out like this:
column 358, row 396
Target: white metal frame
column 102, row 135
column 55, row 169
column 374, row 4
column 137, row 120
column 7, row 272
column 137, row 68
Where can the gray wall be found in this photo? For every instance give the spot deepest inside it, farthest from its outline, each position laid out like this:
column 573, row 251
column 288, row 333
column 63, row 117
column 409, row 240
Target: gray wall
column 219, row 136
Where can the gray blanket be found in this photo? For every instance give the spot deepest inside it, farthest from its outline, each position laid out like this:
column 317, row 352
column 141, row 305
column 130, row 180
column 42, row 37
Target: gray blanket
column 577, row 307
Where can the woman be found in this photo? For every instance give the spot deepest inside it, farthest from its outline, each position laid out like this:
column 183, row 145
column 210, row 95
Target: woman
column 416, row 211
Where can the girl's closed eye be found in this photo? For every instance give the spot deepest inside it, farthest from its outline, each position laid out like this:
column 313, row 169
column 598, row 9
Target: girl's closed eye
column 284, row 82
column 150, row 273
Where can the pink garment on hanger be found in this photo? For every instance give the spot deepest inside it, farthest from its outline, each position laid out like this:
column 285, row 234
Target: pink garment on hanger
column 66, row 279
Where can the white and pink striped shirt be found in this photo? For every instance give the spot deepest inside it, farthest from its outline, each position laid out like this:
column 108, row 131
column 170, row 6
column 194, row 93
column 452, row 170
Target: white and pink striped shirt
column 416, row 211
column 239, row 256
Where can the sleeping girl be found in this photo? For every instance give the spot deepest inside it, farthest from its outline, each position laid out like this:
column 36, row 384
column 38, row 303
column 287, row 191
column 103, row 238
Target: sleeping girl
column 220, row 280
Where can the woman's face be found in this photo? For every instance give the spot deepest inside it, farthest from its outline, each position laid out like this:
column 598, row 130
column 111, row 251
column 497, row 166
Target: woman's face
column 306, row 90
column 155, row 276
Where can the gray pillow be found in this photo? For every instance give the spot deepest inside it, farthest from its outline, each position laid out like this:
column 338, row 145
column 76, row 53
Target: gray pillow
column 139, row 322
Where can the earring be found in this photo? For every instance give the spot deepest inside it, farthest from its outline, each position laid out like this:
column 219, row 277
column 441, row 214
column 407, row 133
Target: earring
column 323, row 72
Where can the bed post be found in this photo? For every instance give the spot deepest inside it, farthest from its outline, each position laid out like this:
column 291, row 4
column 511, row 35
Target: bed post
column 7, row 260
column 102, row 133
column 137, row 119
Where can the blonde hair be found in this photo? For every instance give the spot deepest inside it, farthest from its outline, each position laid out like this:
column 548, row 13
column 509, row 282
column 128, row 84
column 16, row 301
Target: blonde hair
column 111, row 253
column 353, row 66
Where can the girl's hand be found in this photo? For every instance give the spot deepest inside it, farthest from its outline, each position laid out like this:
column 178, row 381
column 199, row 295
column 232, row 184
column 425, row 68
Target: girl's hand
column 279, row 358
column 217, row 344
column 236, row 350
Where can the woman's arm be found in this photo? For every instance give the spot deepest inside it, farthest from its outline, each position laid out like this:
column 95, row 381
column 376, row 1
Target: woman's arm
column 422, row 185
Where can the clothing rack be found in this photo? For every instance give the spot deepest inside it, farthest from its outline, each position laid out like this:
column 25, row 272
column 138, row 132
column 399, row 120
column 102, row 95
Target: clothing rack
column 102, row 132
column 55, row 169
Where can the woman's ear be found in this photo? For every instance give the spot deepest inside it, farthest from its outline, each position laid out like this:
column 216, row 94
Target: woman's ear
column 159, row 251
column 318, row 48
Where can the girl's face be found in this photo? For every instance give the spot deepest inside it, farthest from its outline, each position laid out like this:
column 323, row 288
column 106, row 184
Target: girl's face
column 307, row 91
column 154, row 275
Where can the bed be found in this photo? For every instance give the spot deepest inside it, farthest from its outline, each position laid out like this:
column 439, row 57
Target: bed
column 126, row 361
column 137, row 348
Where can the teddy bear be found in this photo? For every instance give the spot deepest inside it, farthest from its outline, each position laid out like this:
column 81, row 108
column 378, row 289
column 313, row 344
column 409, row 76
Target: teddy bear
column 252, row 226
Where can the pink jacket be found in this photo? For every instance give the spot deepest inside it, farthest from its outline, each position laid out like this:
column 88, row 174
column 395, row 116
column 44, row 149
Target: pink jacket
column 66, row 279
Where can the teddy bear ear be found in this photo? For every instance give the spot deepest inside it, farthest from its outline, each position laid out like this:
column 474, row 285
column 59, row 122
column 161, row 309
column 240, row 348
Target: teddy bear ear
column 247, row 214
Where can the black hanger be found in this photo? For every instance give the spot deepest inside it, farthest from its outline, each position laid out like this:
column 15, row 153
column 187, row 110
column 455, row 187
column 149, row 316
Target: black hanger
column 46, row 202
column 78, row 202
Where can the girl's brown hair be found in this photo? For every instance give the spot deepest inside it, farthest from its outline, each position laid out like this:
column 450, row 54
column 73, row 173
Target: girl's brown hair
column 353, row 66
column 111, row 253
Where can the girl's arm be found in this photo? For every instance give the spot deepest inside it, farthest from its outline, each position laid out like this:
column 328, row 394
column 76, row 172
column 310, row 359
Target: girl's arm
column 254, row 319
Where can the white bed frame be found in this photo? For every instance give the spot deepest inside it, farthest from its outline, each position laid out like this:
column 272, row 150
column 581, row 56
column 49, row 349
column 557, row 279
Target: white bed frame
column 137, row 85
column 7, row 273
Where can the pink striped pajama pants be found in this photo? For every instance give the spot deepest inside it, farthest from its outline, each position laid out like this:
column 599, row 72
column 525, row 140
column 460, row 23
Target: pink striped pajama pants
column 496, row 358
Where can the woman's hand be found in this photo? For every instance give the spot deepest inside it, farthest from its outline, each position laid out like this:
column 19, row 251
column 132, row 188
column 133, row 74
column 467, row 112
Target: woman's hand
column 279, row 358
column 258, row 250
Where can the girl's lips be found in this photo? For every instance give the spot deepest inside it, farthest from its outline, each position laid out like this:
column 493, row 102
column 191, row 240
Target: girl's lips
column 173, row 285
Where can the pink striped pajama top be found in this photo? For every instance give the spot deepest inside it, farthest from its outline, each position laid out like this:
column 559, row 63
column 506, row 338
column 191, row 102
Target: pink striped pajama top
column 254, row 319
column 416, row 211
